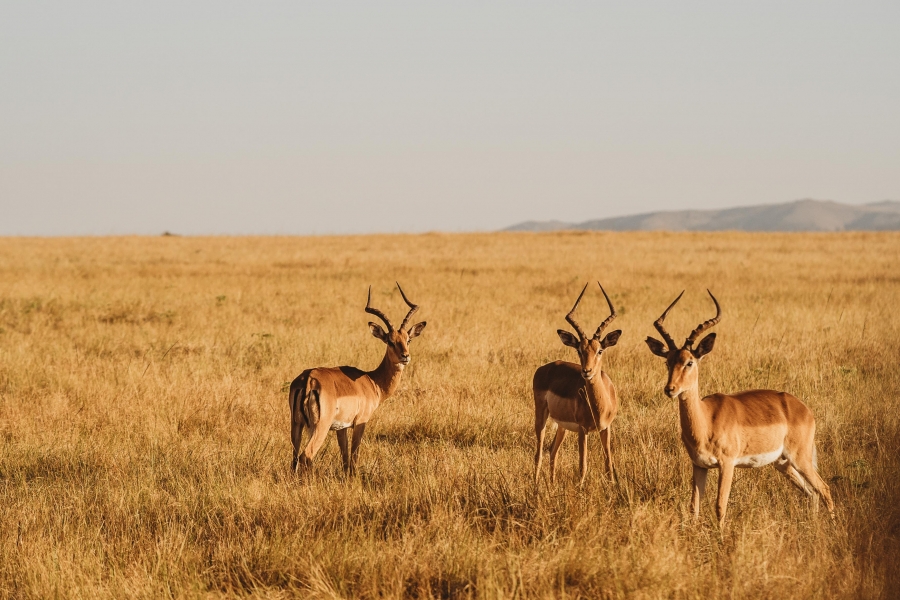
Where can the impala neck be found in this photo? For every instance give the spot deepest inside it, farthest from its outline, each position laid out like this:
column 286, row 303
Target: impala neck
column 598, row 394
column 694, row 421
column 387, row 376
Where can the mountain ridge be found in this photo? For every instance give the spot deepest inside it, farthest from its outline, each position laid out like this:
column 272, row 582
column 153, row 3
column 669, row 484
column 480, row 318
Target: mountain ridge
column 799, row 215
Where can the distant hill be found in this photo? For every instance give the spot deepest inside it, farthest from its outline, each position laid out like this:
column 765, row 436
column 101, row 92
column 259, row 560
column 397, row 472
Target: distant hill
column 800, row 215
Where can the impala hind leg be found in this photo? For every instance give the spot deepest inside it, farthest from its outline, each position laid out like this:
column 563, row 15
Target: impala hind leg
column 803, row 459
column 699, row 489
column 345, row 450
column 805, row 466
column 560, row 434
column 606, row 438
column 297, row 425
column 296, row 439
column 316, row 440
column 541, row 412
column 784, row 466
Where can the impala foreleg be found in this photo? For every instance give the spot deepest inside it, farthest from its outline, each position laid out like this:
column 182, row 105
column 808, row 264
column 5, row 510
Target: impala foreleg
column 699, row 489
column 560, row 434
column 358, row 432
column 726, row 478
column 582, row 455
column 606, row 439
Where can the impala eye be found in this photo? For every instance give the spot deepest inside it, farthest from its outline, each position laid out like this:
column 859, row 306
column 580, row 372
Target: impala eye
column 690, row 363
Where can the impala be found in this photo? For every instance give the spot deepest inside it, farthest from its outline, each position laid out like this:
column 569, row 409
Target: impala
column 345, row 398
column 579, row 398
column 748, row 429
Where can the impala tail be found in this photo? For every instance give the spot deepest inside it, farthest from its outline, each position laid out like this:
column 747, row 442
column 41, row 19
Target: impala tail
column 310, row 404
column 304, row 400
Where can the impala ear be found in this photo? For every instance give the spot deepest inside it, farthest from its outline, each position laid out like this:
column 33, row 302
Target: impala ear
column 657, row 347
column 705, row 346
column 611, row 339
column 416, row 330
column 567, row 338
column 378, row 332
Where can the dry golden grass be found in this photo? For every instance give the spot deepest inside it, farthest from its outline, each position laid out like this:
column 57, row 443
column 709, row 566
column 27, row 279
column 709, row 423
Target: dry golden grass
column 145, row 439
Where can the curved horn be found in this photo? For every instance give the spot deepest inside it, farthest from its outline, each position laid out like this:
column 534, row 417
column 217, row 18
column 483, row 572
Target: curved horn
column 612, row 313
column 376, row 312
column 571, row 316
column 662, row 330
column 707, row 324
column 412, row 308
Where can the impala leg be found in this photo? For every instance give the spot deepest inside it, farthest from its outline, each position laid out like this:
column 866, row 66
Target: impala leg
column 726, row 477
column 582, row 455
column 316, row 440
column 538, row 453
column 296, row 438
column 560, row 434
column 606, row 439
column 297, row 424
column 808, row 471
column 345, row 451
column 699, row 489
column 358, row 432
column 540, row 424
column 803, row 459
column 784, row 466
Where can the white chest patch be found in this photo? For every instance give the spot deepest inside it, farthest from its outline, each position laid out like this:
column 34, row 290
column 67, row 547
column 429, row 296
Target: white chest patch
column 340, row 425
column 759, row 460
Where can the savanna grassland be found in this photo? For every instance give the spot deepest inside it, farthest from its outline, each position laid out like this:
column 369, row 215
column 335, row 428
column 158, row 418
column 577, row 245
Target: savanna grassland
column 145, row 426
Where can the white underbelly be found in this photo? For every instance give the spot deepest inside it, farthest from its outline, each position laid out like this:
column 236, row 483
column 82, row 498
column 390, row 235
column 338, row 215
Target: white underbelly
column 567, row 426
column 707, row 461
column 759, row 460
column 335, row 425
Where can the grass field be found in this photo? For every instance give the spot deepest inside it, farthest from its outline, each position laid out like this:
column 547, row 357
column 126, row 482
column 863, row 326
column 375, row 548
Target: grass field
column 145, row 423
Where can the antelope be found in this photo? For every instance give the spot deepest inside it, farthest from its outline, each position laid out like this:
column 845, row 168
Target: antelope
column 579, row 398
column 749, row 429
column 345, row 398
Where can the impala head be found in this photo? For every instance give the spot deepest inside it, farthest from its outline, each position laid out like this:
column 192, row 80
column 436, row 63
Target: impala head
column 590, row 349
column 683, row 362
column 397, row 340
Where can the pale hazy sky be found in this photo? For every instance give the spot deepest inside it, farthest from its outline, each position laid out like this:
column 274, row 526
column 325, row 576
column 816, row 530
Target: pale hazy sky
column 332, row 117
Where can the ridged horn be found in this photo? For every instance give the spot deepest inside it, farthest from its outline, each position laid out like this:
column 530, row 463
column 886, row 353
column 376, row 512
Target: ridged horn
column 571, row 316
column 412, row 308
column 706, row 324
column 376, row 312
column 609, row 319
column 662, row 330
